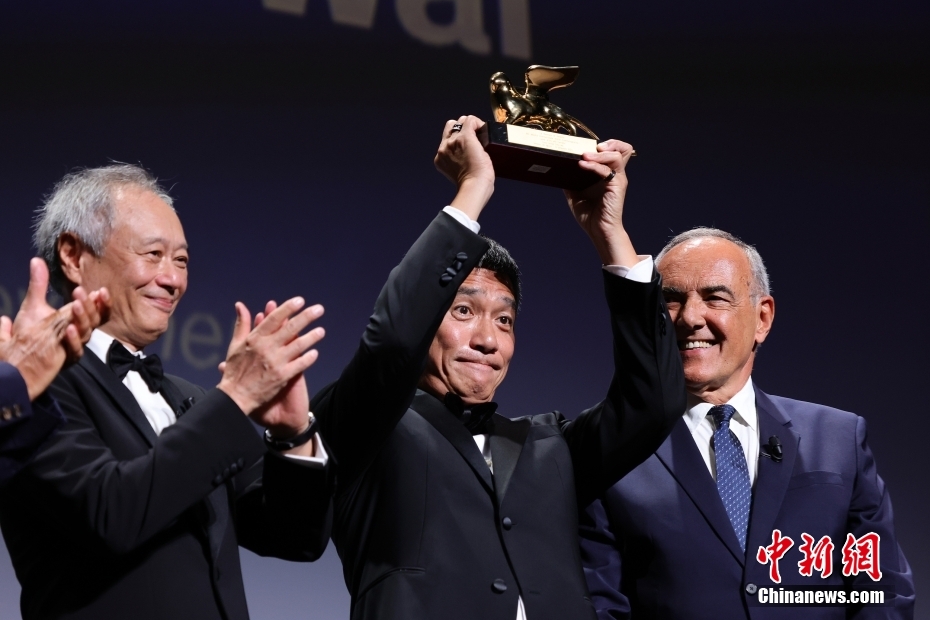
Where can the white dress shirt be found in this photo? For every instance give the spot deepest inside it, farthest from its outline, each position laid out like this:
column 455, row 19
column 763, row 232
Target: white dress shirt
column 640, row 272
column 156, row 408
column 745, row 425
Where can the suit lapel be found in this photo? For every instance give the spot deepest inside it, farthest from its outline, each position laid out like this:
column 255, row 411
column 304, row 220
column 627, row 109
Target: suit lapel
column 120, row 394
column 681, row 456
column 434, row 412
column 771, row 477
column 507, row 438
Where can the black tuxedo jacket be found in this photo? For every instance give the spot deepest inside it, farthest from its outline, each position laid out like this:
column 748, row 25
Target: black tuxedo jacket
column 112, row 521
column 423, row 528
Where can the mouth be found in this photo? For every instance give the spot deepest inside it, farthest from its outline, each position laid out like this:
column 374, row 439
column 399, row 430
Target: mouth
column 162, row 303
column 479, row 365
column 691, row 345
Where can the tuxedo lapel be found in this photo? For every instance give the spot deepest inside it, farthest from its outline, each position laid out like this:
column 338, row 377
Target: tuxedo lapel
column 507, row 438
column 681, row 457
column 772, row 477
column 120, row 394
column 434, row 412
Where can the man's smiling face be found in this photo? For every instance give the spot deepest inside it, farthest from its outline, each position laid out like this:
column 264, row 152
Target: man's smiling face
column 472, row 349
column 708, row 286
column 144, row 266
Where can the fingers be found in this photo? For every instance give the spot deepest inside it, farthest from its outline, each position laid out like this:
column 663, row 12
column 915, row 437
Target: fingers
column 277, row 318
column 269, row 308
column 73, row 342
column 447, row 130
column 301, row 344
column 38, row 284
column 6, row 328
column 243, row 325
column 302, row 363
column 612, row 157
column 600, row 169
column 86, row 314
column 296, row 324
column 624, row 148
column 101, row 299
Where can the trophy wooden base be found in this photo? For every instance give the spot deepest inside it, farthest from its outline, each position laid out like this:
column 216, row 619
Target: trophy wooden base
column 536, row 156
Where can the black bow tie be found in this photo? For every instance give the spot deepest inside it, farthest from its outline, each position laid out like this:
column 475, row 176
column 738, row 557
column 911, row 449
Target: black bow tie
column 121, row 361
column 475, row 417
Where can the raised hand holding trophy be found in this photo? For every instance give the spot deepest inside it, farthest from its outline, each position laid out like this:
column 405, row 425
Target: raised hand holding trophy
column 524, row 140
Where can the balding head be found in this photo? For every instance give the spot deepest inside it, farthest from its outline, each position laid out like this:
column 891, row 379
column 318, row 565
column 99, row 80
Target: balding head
column 721, row 309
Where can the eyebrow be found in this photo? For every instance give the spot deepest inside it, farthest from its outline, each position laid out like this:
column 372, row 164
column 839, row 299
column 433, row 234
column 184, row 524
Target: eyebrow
column 151, row 240
column 707, row 290
column 717, row 288
column 472, row 291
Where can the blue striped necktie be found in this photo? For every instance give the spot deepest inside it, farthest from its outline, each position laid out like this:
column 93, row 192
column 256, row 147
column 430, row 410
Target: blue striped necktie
column 732, row 473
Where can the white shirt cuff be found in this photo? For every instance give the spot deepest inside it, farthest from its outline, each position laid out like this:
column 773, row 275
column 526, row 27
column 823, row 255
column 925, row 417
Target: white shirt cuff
column 319, row 460
column 640, row 272
column 463, row 219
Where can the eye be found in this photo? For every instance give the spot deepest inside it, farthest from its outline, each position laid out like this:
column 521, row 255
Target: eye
column 716, row 300
column 461, row 310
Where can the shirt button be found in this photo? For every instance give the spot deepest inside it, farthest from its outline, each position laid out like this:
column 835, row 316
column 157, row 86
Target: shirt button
column 507, row 523
column 751, row 588
column 218, row 480
column 499, row 586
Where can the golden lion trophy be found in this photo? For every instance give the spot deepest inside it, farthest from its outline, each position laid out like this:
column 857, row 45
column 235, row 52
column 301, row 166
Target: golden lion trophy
column 532, row 139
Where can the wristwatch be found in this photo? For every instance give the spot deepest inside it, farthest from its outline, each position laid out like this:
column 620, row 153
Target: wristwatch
column 282, row 445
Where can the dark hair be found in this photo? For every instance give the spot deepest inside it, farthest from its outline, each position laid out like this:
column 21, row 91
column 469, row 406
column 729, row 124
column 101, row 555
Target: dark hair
column 498, row 260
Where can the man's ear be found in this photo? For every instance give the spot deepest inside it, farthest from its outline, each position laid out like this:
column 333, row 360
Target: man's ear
column 766, row 316
column 70, row 251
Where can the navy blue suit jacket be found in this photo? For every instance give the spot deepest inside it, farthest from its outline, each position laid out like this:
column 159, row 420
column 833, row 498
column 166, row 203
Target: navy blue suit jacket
column 23, row 425
column 660, row 544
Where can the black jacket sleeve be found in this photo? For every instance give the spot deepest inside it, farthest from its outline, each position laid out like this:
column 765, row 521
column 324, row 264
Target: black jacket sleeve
column 646, row 395
column 126, row 501
column 359, row 410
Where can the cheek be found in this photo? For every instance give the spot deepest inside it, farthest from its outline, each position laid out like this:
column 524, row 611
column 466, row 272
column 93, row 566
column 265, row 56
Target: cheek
column 507, row 347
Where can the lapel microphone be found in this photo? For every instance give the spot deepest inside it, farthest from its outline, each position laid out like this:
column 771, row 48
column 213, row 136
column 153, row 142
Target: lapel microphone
column 773, row 449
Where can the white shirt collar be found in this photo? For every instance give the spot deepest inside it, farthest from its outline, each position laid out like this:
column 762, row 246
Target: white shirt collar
column 100, row 343
column 743, row 401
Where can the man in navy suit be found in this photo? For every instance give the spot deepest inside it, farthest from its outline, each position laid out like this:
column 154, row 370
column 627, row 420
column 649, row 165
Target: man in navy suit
column 746, row 483
column 33, row 348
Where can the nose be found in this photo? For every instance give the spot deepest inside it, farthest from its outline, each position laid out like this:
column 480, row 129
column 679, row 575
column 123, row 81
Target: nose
column 691, row 313
column 484, row 336
column 171, row 277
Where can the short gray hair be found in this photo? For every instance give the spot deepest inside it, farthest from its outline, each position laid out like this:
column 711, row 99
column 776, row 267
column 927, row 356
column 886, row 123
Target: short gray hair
column 760, row 276
column 82, row 204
